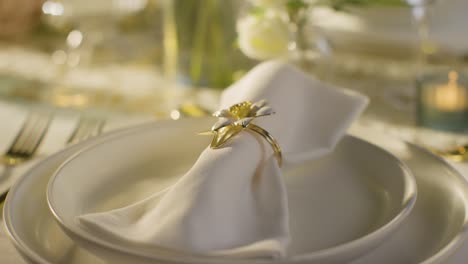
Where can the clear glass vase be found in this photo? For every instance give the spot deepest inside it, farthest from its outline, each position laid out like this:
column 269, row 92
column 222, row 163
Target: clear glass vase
column 310, row 49
column 199, row 42
column 420, row 11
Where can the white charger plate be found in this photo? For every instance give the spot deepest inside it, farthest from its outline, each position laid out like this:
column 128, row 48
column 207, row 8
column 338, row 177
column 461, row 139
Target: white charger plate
column 435, row 228
column 341, row 206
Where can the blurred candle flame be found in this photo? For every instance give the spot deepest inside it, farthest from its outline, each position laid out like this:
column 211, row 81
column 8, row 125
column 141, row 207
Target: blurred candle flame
column 450, row 97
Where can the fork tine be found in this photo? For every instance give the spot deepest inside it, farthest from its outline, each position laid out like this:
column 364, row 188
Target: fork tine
column 79, row 131
column 30, row 136
column 76, row 131
column 20, row 137
column 34, row 135
column 40, row 135
column 86, row 128
column 96, row 128
column 100, row 126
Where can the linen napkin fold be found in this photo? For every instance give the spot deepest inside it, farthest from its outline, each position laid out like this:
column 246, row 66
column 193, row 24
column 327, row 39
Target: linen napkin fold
column 233, row 201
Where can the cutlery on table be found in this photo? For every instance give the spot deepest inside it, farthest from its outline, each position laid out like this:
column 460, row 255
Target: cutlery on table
column 26, row 142
column 28, row 139
column 459, row 153
column 87, row 127
column 32, row 133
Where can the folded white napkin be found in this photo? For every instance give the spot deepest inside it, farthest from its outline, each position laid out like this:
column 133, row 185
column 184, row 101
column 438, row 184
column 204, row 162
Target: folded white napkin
column 233, row 201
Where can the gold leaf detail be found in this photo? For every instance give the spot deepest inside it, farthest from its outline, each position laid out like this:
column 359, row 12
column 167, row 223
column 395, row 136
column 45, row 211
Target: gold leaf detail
column 225, row 134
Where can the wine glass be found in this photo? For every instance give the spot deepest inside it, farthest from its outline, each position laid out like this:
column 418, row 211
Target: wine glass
column 404, row 99
column 89, row 32
column 86, row 24
column 420, row 11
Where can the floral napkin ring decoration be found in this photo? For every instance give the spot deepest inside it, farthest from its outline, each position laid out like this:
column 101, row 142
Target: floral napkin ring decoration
column 239, row 117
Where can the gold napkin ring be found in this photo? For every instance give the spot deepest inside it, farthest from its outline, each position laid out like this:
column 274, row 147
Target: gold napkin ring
column 239, row 117
column 270, row 139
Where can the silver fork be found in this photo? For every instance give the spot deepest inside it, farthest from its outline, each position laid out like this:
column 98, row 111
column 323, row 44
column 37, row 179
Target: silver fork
column 26, row 143
column 28, row 139
column 87, row 127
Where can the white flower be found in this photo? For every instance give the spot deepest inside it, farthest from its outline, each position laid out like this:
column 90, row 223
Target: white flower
column 264, row 36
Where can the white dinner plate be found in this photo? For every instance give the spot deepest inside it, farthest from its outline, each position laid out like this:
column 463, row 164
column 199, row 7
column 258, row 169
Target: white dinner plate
column 434, row 229
column 340, row 206
column 390, row 30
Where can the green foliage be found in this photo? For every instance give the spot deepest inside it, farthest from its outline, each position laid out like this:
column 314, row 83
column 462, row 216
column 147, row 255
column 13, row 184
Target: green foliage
column 294, row 5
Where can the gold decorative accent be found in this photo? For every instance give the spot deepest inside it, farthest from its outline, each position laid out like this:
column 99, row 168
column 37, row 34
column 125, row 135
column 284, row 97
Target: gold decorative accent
column 238, row 118
column 274, row 144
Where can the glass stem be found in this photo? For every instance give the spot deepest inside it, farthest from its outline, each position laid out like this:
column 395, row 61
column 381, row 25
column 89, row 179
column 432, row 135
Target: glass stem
column 170, row 41
column 421, row 19
column 301, row 40
column 199, row 40
column 299, row 20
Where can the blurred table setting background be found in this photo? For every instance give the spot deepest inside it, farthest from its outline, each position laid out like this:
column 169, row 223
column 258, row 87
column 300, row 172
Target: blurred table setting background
column 126, row 62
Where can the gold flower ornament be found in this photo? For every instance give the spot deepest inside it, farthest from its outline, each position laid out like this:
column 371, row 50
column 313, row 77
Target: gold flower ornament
column 239, row 117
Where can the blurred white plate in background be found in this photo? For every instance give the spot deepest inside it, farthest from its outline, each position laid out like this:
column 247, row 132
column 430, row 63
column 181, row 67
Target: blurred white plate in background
column 391, row 28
